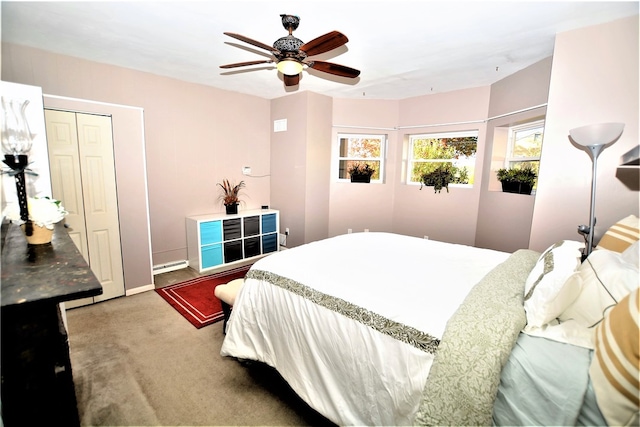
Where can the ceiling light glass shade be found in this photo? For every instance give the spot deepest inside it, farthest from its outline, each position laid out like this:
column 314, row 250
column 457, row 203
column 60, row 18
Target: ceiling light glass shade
column 289, row 67
column 16, row 136
column 597, row 134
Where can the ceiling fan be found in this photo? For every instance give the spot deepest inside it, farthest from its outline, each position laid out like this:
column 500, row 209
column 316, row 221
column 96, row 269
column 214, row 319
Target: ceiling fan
column 290, row 53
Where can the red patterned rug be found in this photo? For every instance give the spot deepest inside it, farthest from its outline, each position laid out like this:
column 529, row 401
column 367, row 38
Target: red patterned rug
column 194, row 299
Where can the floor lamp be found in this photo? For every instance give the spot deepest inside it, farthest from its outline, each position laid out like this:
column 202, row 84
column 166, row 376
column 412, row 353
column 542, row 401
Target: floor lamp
column 595, row 138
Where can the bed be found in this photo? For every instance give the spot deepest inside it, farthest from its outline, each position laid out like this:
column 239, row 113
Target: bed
column 385, row 329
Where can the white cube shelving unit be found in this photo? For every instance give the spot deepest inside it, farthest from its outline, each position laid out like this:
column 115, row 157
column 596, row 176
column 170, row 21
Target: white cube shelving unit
column 217, row 241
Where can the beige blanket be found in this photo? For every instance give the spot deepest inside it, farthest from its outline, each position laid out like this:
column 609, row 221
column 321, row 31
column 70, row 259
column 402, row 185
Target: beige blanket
column 463, row 381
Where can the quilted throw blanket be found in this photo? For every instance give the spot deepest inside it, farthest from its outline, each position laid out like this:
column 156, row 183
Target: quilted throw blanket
column 464, row 379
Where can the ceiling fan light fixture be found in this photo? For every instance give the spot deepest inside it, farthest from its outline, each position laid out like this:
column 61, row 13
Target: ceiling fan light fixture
column 290, row 53
column 289, row 67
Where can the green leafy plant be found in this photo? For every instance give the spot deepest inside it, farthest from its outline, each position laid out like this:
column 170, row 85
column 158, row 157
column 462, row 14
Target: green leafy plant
column 361, row 172
column 523, row 175
column 438, row 178
column 442, row 175
column 517, row 179
column 230, row 192
column 361, row 169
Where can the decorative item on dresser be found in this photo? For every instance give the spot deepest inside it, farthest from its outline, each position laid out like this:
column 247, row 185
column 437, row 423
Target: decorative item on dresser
column 43, row 214
column 37, row 382
column 217, row 241
column 16, row 143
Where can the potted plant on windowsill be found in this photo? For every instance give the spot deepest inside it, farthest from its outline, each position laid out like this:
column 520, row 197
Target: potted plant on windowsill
column 230, row 195
column 361, row 172
column 518, row 180
column 438, row 178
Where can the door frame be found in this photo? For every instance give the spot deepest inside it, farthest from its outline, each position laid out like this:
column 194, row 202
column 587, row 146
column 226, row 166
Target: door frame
column 131, row 180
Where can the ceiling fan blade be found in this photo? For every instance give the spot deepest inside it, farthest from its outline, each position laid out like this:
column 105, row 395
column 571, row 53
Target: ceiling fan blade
column 242, row 64
column 324, row 43
column 335, row 69
column 252, row 42
column 291, row 80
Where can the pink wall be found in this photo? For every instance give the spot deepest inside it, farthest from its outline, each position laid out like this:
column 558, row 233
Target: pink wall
column 300, row 159
column 594, row 79
column 362, row 206
column 195, row 135
column 504, row 219
column 452, row 216
column 394, row 206
column 318, row 137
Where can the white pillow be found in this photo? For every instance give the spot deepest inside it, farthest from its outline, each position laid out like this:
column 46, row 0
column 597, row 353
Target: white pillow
column 632, row 254
column 545, row 293
column 606, row 279
column 569, row 332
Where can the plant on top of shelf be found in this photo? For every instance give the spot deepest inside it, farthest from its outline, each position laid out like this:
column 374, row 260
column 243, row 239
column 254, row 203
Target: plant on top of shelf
column 230, row 195
column 517, row 179
column 361, row 172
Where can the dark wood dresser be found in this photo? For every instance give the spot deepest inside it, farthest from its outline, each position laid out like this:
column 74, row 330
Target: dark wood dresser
column 37, row 381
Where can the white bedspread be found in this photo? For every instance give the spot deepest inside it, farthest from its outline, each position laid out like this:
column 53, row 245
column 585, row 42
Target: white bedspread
column 352, row 322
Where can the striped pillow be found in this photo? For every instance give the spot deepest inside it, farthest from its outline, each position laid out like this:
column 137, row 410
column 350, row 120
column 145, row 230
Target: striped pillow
column 621, row 235
column 615, row 366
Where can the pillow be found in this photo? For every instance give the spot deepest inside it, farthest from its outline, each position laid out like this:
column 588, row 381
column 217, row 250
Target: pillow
column 545, row 295
column 621, row 235
column 615, row 366
column 569, row 332
column 606, row 279
column 632, row 254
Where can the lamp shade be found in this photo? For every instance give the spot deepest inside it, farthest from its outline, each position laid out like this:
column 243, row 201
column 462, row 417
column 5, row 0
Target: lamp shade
column 289, row 67
column 596, row 134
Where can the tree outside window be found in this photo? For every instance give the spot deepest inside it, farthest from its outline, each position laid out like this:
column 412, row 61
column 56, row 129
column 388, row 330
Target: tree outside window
column 361, row 149
column 454, row 152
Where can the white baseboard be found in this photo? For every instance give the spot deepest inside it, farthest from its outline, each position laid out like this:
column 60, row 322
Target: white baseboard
column 170, row 266
column 139, row 290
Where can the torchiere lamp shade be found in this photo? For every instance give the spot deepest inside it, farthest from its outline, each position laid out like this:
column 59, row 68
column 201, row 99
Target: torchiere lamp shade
column 597, row 134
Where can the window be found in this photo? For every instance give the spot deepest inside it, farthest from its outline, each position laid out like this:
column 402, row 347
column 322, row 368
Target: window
column 452, row 151
column 361, row 149
column 525, row 146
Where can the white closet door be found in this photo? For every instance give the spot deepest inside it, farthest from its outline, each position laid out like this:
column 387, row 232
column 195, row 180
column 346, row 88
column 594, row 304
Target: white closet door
column 83, row 178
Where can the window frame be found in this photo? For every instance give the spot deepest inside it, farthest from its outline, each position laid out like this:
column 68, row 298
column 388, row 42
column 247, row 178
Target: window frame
column 382, row 159
column 510, row 160
column 436, row 135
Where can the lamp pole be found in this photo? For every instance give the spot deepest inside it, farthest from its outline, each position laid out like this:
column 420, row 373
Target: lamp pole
column 595, row 151
column 594, row 138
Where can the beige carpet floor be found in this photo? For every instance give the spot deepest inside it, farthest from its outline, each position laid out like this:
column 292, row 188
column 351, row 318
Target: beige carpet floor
column 137, row 362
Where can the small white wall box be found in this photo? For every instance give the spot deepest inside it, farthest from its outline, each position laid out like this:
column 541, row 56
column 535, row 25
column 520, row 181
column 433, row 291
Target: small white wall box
column 280, row 125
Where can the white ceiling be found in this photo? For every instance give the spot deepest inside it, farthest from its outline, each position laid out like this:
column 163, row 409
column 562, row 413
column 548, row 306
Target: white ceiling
column 403, row 48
